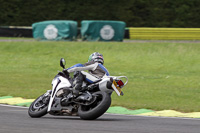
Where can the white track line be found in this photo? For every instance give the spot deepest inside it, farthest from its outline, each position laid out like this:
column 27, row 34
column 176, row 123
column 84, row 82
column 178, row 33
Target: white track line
column 161, row 117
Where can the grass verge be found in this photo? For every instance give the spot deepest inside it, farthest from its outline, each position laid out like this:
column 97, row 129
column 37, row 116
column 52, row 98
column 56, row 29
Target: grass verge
column 161, row 75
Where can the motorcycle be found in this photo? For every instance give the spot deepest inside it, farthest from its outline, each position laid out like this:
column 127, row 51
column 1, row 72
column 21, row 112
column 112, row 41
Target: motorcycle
column 92, row 102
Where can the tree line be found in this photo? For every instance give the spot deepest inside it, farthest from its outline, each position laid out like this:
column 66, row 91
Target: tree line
column 136, row 13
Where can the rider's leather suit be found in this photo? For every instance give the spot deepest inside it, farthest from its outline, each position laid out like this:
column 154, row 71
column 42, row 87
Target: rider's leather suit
column 96, row 69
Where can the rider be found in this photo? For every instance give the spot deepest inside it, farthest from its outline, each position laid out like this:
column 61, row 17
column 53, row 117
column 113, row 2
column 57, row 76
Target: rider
column 95, row 68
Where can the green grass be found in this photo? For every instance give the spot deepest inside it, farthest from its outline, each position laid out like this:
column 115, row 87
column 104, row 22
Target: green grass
column 161, row 75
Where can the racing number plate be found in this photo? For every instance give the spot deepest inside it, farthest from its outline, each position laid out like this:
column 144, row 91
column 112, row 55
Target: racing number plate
column 116, row 88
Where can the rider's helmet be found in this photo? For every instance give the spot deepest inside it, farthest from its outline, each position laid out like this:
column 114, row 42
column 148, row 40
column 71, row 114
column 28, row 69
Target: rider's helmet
column 96, row 57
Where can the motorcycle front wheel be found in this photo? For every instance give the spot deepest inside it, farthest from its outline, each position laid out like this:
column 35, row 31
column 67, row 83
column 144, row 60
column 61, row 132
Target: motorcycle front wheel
column 98, row 108
column 39, row 107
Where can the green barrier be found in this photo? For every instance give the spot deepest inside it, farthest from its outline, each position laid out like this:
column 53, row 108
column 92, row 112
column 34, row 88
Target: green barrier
column 102, row 30
column 55, row 30
column 165, row 33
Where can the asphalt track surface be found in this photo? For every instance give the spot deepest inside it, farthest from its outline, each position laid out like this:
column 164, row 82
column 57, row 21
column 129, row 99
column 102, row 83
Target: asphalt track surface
column 16, row 120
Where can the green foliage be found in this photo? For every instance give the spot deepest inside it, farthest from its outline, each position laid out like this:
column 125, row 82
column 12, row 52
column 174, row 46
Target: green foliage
column 136, row 13
column 161, row 75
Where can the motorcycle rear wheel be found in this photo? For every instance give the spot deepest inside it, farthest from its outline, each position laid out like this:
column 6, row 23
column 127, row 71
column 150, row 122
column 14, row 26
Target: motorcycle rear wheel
column 38, row 108
column 98, row 108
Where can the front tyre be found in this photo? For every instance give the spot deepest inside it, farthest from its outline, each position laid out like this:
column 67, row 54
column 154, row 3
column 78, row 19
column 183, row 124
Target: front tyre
column 39, row 107
column 98, row 108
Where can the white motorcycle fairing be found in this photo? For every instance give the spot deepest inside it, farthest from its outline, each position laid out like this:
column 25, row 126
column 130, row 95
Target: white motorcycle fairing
column 57, row 83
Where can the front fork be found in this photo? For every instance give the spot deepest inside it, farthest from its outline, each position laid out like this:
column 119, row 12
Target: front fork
column 46, row 97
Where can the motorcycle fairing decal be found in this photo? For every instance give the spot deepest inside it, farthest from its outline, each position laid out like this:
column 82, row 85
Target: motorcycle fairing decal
column 90, row 81
column 57, row 83
column 56, row 86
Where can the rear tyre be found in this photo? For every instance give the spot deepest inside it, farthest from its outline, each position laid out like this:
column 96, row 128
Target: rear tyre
column 39, row 107
column 98, row 108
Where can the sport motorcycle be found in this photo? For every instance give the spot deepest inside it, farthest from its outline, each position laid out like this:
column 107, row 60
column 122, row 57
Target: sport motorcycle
column 92, row 102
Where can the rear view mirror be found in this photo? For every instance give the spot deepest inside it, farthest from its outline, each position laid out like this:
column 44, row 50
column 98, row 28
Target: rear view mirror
column 62, row 63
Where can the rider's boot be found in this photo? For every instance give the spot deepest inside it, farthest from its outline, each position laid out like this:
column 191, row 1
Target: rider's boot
column 77, row 84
